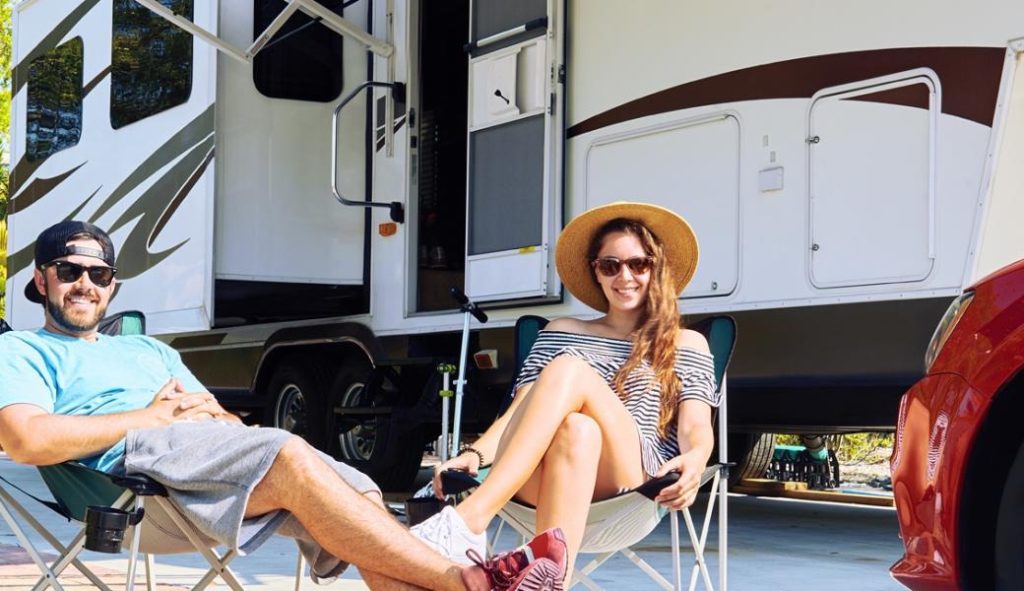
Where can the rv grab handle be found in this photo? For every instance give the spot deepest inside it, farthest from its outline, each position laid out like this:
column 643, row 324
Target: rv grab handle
column 397, row 89
column 467, row 305
column 537, row 23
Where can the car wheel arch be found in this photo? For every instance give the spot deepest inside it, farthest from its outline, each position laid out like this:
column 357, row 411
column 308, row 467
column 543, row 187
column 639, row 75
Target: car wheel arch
column 996, row 444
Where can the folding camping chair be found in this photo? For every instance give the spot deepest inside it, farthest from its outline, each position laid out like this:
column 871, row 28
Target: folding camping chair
column 76, row 487
column 617, row 523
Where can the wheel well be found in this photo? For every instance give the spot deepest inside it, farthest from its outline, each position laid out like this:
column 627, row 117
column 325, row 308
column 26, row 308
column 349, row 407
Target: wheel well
column 317, row 352
column 998, row 441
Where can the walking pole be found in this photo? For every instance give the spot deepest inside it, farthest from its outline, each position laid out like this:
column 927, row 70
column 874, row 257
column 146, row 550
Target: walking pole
column 445, row 369
column 468, row 308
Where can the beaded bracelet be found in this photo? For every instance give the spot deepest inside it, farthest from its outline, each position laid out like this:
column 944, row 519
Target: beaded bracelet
column 473, row 450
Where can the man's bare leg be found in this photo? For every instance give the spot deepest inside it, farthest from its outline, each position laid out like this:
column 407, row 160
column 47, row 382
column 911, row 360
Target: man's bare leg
column 375, row 580
column 347, row 524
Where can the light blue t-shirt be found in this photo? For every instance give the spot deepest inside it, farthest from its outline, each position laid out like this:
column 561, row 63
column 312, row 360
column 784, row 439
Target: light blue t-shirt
column 71, row 376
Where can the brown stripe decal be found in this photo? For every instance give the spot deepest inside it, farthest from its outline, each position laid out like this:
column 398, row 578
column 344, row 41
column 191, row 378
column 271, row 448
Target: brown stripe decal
column 36, row 190
column 92, row 83
column 969, row 77
column 915, row 95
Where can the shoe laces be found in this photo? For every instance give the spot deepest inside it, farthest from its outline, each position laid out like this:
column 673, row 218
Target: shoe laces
column 503, row 568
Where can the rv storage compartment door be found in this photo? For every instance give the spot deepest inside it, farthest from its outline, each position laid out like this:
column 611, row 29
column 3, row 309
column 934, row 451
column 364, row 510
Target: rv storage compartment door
column 871, row 164
column 691, row 167
column 515, row 147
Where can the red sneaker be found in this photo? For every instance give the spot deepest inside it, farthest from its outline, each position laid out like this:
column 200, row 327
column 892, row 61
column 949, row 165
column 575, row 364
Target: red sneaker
column 536, row 566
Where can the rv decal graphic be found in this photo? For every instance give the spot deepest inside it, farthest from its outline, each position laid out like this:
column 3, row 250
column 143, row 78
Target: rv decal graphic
column 198, row 129
column 23, row 258
column 969, row 77
column 192, row 147
column 36, row 190
column 92, row 83
column 153, row 207
column 19, row 72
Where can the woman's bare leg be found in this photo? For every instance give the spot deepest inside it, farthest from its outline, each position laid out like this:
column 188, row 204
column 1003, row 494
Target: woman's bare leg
column 567, row 386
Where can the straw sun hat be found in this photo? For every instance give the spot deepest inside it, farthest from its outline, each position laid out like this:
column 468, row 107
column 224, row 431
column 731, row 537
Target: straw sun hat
column 674, row 233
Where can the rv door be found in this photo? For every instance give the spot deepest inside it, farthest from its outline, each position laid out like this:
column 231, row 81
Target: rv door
column 112, row 122
column 515, row 148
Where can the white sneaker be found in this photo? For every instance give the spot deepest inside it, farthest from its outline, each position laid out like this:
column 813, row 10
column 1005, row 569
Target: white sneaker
column 449, row 535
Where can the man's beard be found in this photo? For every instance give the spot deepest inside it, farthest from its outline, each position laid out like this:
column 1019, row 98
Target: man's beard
column 81, row 323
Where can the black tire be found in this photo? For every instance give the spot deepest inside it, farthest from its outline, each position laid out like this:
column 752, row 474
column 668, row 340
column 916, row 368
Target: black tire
column 292, row 393
column 373, row 444
column 1009, row 550
column 752, row 454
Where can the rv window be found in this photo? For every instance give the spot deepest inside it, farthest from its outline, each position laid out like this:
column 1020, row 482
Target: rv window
column 303, row 61
column 151, row 64
column 54, row 112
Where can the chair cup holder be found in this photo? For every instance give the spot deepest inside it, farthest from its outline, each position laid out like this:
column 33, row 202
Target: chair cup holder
column 105, row 527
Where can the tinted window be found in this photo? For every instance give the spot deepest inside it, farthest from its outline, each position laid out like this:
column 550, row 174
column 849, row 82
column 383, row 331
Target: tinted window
column 302, row 61
column 54, row 112
column 151, row 64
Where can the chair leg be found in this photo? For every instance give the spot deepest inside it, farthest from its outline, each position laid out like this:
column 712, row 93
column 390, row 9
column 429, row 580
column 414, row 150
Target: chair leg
column 218, row 564
column 149, row 572
column 677, row 567
column 647, row 568
column 299, row 567
column 701, row 543
column 23, row 540
column 586, row 581
column 723, row 534
column 698, row 551
column 48, row 573
column 133, row 556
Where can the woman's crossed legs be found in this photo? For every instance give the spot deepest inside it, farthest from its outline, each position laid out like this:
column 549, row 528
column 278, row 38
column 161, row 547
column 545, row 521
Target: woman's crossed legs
column 569, row 440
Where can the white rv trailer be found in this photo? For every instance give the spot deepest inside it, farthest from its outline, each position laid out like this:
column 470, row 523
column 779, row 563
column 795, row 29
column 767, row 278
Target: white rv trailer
column 293, row 203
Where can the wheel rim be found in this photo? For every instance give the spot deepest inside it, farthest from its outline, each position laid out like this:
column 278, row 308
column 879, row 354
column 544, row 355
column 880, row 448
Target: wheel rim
column 358, row 442
column 290, row 412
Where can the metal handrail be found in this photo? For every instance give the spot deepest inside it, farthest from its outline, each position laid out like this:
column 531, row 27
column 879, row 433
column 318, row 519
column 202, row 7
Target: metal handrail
column 397, row 93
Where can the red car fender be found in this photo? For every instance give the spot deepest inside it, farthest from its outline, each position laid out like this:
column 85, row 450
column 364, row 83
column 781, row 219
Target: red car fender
column 938, row 418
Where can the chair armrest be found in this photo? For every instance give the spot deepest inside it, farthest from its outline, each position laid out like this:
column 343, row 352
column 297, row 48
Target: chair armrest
column 454, row 482
column 140, row 485
column 652, row 487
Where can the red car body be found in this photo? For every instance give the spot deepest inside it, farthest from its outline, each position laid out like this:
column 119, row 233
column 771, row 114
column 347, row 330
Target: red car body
column 959, row 430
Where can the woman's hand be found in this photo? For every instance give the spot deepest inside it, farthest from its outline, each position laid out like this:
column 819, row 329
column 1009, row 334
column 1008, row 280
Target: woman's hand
column 690, row 466
column 467, row 462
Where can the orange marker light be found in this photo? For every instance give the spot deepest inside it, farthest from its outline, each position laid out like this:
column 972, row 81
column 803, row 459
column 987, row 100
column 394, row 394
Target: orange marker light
column 387, row 229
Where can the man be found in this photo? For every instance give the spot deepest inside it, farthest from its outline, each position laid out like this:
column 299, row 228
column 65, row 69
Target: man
column 128, row 404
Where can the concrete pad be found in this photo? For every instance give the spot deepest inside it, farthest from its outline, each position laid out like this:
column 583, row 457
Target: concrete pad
column 773, row 544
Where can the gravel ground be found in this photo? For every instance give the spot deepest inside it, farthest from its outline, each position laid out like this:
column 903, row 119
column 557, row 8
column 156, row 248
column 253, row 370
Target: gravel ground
column 871, row 472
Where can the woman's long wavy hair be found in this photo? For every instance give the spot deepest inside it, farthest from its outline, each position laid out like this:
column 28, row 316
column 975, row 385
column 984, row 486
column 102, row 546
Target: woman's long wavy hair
column 654, row 339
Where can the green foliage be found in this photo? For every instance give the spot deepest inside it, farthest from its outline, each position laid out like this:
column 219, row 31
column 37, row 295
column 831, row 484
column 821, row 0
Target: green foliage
column 5, row 39
column 853, row 448
column 3, row 262
column 5, row 80
column 5, row 124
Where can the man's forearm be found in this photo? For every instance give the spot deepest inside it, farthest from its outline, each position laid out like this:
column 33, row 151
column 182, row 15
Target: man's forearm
column 51, row 439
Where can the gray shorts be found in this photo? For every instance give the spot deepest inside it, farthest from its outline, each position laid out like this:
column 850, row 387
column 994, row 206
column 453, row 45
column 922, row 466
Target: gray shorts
column 209, row 469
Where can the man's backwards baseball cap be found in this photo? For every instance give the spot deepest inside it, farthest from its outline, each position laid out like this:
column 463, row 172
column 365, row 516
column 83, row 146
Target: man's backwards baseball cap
column 53, row 244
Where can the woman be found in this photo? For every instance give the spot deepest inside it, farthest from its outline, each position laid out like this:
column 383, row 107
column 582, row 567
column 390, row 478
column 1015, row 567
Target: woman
column 600, row 405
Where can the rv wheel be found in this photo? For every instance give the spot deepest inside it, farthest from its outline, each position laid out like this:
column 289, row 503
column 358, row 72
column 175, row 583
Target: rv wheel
column 292, row 386
column 752, row 453
column 361, row 431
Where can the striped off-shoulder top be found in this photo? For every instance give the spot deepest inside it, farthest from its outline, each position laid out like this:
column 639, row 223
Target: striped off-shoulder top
column 606, row 355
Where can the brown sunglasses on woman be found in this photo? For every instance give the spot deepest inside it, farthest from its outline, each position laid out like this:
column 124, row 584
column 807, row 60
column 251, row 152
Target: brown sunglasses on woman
column 612, row 266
